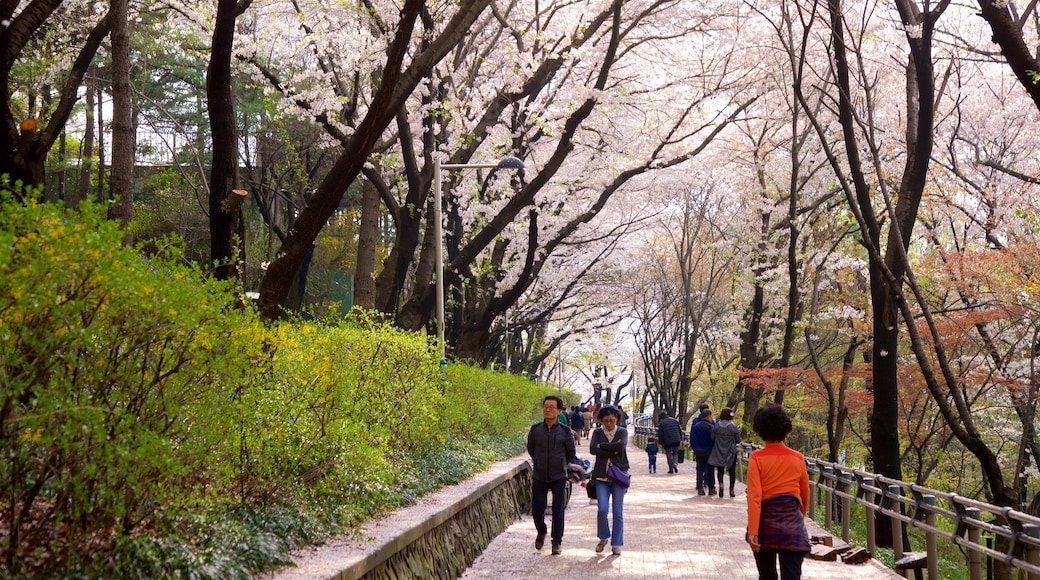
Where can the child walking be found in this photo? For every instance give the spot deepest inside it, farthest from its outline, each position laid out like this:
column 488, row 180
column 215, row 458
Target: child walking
column 651, row 454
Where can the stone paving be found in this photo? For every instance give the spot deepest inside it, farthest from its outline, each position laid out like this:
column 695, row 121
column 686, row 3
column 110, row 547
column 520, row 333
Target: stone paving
column 670, row 532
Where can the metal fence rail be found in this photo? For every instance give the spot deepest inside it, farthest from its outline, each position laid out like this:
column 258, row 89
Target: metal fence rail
column 981, row 529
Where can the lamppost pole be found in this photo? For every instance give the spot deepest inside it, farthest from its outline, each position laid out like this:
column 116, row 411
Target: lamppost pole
column 438, row 230
column 438, row 234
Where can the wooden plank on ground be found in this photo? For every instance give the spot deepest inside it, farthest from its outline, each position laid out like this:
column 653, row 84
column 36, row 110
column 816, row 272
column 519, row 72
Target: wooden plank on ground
column 856, row 556
column 823, row 553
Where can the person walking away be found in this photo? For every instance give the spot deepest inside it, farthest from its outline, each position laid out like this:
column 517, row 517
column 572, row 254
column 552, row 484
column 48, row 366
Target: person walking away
column 651, row 455
column 586, row 416
column 725, row 437
column 609, row 444
column 669, row 433
column 778, row 495
column 700, row 414
column 700, row 440
column 577, row 423
column 551, row 446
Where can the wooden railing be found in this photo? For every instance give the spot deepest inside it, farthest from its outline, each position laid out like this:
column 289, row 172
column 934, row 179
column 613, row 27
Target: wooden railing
column 983, row 530
column 1013, row 536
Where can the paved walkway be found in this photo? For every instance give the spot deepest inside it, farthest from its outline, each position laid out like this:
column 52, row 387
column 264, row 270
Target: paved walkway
column 670, row 532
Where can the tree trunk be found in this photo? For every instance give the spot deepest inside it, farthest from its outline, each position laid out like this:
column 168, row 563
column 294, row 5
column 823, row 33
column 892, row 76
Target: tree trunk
column 122, row 117
column 749, row 359
column 102, row 196
column 86, row 156
column 368, row 236
column 227, row 233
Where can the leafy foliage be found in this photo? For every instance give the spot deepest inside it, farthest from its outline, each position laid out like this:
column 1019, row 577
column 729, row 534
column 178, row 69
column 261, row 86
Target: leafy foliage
column 152, row 426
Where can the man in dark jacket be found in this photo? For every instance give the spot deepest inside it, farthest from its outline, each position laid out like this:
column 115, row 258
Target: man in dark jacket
column 551, row 446
column 700, row 441
column 669, row 434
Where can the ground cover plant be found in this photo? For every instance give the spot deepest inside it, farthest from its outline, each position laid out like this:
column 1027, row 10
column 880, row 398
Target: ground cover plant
column 153, row 426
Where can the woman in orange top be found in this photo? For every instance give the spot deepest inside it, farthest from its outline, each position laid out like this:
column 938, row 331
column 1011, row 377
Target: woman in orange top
column 777, row 497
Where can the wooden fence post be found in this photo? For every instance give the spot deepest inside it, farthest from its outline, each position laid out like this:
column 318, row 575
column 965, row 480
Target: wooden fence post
column 812, row 468
column 870, row 515
column 933, row 552
column 974, row 556
column 846, row 505
column 1032, row 552
column 828, row 497
column 894, row 493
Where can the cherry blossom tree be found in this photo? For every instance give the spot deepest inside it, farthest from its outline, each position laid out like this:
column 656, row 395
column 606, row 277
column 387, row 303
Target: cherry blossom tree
column 26, row 136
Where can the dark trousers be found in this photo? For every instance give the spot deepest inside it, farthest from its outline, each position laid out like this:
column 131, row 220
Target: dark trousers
column 672, row 454
column 652, row 459
column 720, row 471
column 540, row 500
column 790, row 564
column 705, row 477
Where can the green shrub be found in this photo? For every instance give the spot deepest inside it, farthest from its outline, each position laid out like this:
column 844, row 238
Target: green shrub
column 110, row 366
column 338, row 403
column 152, row 426
column 491, row 403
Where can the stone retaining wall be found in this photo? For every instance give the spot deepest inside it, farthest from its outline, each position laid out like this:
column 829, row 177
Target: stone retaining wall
column 446, row 543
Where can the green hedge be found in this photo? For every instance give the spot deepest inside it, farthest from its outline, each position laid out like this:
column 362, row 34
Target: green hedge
column 152, row 425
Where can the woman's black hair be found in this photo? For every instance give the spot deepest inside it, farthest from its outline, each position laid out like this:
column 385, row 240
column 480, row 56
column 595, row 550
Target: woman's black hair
column 609, row 410
column 771, row 423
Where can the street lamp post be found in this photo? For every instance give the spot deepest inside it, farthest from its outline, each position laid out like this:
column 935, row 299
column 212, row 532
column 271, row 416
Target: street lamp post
column 508, row 162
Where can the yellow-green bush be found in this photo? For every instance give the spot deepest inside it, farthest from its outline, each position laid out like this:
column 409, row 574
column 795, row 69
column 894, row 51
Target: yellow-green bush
column 489, row 403
column 112, row 373
column 338, row 402
column 137, row 397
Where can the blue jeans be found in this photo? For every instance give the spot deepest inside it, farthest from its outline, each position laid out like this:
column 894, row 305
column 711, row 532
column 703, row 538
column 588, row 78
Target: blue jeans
column 540, row 500
column 652, row 459
column 605, row 492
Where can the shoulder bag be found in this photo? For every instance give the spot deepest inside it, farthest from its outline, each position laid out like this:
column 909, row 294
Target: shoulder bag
column 618, row 475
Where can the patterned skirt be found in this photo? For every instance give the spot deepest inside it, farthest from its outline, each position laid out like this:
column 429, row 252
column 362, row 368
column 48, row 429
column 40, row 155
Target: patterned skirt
column 782, row 526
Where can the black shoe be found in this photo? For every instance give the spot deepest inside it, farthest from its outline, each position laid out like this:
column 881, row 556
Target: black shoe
column 556, row 549
column 539, row 541
column 732, row 493
column 722, row 492
column 700, row 491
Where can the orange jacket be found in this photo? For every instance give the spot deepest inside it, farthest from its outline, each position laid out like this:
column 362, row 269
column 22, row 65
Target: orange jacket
column 773, row 470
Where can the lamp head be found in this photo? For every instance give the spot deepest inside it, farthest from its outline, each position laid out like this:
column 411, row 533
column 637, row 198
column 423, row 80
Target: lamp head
column 510, row 162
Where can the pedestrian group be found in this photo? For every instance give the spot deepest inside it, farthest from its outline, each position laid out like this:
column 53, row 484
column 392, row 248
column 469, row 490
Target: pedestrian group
column 777, row 479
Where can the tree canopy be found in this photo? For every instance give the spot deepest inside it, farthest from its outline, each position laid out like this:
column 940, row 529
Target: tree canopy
column 830, row 205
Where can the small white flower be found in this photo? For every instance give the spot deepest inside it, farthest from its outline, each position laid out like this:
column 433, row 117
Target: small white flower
column 884, row 353
column 914, row 30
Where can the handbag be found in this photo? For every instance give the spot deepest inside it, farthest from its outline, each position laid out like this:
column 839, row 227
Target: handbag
column 590, row 488
column 618, row 475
